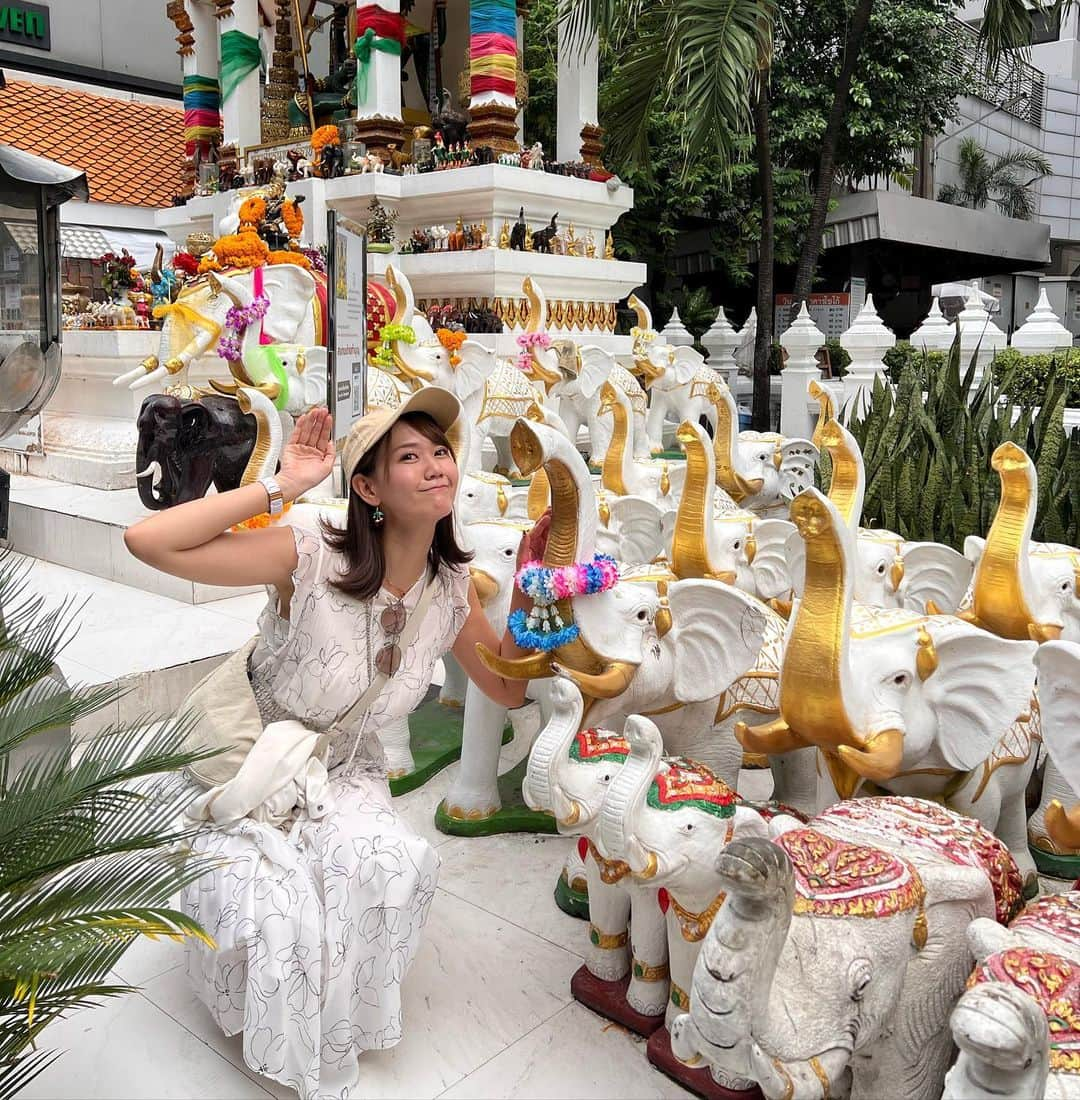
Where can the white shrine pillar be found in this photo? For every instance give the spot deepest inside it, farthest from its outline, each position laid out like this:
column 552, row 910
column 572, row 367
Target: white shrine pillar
column 378, row 103
column 578, row 133
column 801, row 342
column 240, row 44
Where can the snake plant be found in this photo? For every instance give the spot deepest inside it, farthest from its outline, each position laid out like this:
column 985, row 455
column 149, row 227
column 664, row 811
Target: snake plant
column 927, row 453
column 90, row 849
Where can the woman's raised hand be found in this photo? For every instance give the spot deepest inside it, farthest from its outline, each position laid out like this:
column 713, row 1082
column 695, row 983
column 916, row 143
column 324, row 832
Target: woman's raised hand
column 308, row 457
column 534, row 541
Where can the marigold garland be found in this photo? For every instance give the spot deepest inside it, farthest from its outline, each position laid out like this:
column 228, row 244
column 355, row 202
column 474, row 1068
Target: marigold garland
column 325, row 135
column 244, row 249
column 287, row 256
column 388, row 334
column 252, row 212
column 264, row 519
column 293, row 217
column 452, row 340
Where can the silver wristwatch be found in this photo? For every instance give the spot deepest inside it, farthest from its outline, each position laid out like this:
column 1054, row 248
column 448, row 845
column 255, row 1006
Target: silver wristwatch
column 273, row 491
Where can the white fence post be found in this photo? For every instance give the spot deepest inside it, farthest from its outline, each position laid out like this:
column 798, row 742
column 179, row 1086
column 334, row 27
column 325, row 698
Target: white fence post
column 720, row 341
column 675, row 332
column 1042, row 333
column 935, row 333
column 866, row 341
column 979, row 337
column 801, row 341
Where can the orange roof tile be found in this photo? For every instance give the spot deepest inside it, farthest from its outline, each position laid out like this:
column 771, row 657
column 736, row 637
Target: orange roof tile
column 132, row 153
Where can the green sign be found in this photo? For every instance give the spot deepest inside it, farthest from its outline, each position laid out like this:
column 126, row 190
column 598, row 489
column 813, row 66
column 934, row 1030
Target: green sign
column 25, row 24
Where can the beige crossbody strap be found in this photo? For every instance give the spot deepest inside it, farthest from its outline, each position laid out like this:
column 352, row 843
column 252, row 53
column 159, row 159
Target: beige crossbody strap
column 404, row 640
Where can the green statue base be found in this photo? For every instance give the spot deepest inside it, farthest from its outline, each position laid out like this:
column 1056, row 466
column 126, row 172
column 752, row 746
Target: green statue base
column 435, row 740
column 1063, row 867
column 513, row 817
column 574, row 903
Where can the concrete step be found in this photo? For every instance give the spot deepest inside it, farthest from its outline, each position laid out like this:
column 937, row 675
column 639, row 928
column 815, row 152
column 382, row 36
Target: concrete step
column 83, row 528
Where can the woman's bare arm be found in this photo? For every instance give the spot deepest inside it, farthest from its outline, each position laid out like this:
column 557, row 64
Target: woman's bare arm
column 192, row 540
column 510, row 693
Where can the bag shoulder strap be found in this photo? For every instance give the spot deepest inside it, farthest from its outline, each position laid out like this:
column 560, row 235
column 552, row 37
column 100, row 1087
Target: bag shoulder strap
column 405, row 639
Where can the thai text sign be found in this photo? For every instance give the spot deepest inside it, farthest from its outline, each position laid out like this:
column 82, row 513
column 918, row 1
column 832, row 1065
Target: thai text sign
column 347, row 336
column 830, row 312
column 25, row 24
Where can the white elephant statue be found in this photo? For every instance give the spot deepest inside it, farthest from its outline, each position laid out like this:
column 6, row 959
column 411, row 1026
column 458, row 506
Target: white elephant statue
column 621, row 473
column 570, row 770
column 920, row 705
column 927, row 577
column 675, row 377
column 1022, row 589
column 835, row 960
column 761, row 471
column 291, row 375
column 723, row 541
column 667, row 819
column 1018, row 1025
column 193, row 323
column 651, row 644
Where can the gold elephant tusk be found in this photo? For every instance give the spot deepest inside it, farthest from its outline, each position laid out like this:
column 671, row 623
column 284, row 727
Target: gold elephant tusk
column 652, row 865
column 880, row 760
column 933, row 609
column 487, row 587
column 227, row 388
column 613, row 681
column 896, row 573
column 1063, row 826
column 1044, row 632
column 536, row 666
column 773, row 737
column 574, row 817
column 412, row 372
column 782, row 607
column 728, row 576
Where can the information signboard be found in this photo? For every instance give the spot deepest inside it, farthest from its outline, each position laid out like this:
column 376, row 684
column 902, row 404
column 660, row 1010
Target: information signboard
column 830, row 312
column 347, row 328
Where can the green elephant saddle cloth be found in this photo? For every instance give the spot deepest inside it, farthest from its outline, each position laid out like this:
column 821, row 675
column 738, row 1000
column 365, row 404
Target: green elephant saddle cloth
column 1056, row 915
column 922, row 830
column 1054, row 984
column 834, row 878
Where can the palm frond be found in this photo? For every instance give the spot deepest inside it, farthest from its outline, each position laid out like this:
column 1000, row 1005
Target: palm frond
column 93, row 842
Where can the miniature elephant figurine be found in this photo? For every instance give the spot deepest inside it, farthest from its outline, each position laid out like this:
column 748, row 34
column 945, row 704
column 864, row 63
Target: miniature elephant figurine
column 833, row 964
column 542, row 238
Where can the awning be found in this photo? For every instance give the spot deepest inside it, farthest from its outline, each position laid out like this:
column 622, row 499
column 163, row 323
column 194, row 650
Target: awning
column 80, row 243
column 24, row 234
column 1004, row 244
column 58, row 180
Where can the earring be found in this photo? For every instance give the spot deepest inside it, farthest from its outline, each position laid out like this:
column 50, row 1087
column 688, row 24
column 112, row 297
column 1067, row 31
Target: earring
column 377, row 516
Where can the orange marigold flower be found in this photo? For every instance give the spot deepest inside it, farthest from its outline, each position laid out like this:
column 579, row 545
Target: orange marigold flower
column 293, row 217
column 262, row 520
column 252, row 210
column 325, row 135
column 284, row 256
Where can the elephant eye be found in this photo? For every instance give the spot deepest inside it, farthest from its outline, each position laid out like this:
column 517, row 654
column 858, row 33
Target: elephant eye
column 859, row 978
column 901, row 679
column 1066, row 586
column 642, row 615
column 688, row 827
column 881, row 569
column 509, row 552
column 736, row 544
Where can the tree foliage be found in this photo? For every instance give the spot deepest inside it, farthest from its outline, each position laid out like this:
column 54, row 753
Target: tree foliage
column 1004, row 180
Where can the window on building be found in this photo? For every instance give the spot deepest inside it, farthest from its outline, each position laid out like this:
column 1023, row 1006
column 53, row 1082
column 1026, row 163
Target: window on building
column 1045, row 25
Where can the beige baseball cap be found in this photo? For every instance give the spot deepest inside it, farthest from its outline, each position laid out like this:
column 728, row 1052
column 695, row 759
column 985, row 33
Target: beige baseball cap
column 441, row 405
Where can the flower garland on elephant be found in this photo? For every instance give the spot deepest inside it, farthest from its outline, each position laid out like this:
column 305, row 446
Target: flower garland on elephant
column 543, row 628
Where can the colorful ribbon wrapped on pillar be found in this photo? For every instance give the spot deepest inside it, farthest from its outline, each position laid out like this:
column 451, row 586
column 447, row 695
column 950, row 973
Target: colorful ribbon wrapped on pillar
column 376, row 29
column 241, row 54
column 202, row 113
column 493, row 51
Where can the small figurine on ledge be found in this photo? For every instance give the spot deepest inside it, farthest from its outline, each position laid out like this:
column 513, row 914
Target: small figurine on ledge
column 542, row 238
column 504, row 236
column 609, row 247
column 533, row 158
column 519, row 234
column 380, row 227
column 329, row 156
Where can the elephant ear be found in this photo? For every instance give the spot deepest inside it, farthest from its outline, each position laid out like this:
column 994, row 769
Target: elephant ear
column 677, row 477
column 291, row 291
column 475, row 366
column 973, row 548
column 1058, row 665
column 797, row 460
column 980, row 686
column 596, row 365
column 933, row 571
column 795, row 552
column 771, row 567
column 313, row 381
column 718, row 634
column 685, row 363
column 638, row 527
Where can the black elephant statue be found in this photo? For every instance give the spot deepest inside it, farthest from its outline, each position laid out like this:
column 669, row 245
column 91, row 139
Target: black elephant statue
column 542, row 238
column 187, row 446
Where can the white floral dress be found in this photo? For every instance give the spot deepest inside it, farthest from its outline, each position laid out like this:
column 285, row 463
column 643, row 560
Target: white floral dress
column 316, row 923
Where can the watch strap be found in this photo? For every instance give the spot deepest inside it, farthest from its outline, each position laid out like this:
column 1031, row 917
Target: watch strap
column 273, row 491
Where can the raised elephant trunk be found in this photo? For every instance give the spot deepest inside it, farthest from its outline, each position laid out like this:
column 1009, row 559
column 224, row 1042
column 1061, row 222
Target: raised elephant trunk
column 268, row 435
column 404, row 313
column 694, row 530
column 627, row 794
column 726, row 447
column 545, row 366
column 255, row 358
column 815, row 672
column 618, row 455
column 848, row 483
column 1003, row 575
column 542, row 788
column 738, row 959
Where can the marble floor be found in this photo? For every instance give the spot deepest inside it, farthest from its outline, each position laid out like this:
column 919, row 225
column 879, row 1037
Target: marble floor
column 488, row 1005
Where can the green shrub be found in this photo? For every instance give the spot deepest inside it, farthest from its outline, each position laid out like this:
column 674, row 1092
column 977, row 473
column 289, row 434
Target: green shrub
column 903, row 354
column 928, row 474
column 839, row 358
column 1023, row 377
